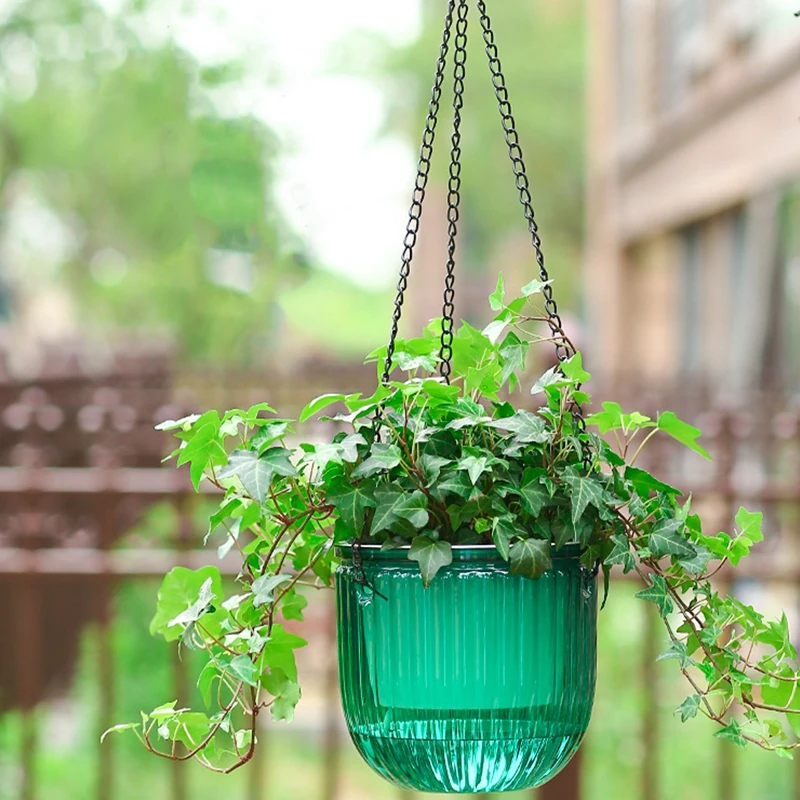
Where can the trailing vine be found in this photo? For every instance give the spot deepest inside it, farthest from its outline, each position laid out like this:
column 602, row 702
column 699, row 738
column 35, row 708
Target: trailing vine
column 426, row 465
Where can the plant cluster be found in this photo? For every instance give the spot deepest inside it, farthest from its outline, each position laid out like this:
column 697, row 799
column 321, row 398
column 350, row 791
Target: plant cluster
column 425, row 465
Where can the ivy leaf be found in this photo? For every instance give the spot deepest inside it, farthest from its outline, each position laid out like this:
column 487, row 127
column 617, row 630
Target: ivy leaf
column 584, row 491
column 278, row 652
column 609, row 419
column 349, row 446
column 351, row 502
column 552, row 377
column 677, row 651
column 514, row 353
column 645, row 483
column 657, row 593
column 286, row 693
column 267, row 434
column 732, row 732
column 533, row 494
column 319, row 403
column 383, row 457
column 180, row 590
column 432, row 467
column 293, row 605
column 688, row 708
column 573, row 369
column 621, row 554
column 698, row 564
column 681, row 431
column 494, row 330
column 664, row 540
column 530, row 557
column 498, row 297
column 392, row 504
column 431, row 557
column 198, row 608
column 242, row 668
column 453, row 482
column 254, row 471
column 504, row 530
column 525, row 426
column 125, row 726
column 534, row 287
column 264, row 587
column 475, row 466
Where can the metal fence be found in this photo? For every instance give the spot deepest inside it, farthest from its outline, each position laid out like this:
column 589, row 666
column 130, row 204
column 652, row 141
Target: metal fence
column 79, row 464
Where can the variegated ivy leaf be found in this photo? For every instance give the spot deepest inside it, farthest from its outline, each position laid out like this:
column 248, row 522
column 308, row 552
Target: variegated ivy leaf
column 657, row 593
column 530, row 557
column 584, row 492
column 664, row 540
column 382, row 458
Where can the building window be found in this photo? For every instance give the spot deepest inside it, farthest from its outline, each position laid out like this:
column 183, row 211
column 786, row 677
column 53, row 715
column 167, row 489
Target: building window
column 692, row 305
column 686, row 48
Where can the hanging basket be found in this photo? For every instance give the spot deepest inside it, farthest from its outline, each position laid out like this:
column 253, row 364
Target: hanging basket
column 483, row 682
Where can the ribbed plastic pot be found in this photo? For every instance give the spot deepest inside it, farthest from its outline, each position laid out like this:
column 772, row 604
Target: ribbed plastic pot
column 484, row 682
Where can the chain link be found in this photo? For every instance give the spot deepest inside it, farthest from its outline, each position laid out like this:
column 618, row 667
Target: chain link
column 454, row 191
column 420, row 185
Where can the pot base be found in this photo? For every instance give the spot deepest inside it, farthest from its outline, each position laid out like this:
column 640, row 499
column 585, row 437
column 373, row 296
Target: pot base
column 411, row 757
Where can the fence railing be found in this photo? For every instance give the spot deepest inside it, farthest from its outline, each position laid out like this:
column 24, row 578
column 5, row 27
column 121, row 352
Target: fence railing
column 61, row 518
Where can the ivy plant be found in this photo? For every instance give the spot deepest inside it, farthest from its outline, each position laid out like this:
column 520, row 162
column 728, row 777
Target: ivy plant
column 425, row 465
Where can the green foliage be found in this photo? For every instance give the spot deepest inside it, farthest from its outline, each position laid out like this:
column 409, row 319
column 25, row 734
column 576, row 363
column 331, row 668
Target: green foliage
column 125, row 146
column 428, row 466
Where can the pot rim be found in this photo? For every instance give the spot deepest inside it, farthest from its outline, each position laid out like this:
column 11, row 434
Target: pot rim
column 570, row 550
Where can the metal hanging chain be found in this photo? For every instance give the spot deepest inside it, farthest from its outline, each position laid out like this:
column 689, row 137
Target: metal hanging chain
column 454, row 191
column 563, row 350
column 420, row 185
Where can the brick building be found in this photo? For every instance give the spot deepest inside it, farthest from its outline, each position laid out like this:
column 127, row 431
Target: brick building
column 692, row 262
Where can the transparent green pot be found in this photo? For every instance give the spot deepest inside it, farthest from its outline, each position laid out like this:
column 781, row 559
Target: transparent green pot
column 483, row 682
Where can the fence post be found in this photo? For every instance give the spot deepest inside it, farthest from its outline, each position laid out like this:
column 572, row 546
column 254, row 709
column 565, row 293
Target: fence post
column 332, row 763
column 105, row 597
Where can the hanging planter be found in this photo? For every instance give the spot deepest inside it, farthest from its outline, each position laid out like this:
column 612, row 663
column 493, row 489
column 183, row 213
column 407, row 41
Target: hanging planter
column 482, row 682
column 466, row 535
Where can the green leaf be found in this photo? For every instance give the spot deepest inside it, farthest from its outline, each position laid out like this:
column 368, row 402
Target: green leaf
column 534, row 287
column 645, row 483
column 621, row 554
column 504, row 530
column 698, row 564
column 184, row 423
column 573, row 369
column 293, row 605
column 432, row 467
column 254, row 471
column 530, row 557
column 664, row 540
column 431, row 557
column 679, row 652
column 552, row 377
column 286, row 693
column 383, row 457
column 657, row 593
column 125, row 726
column 243, row 669
column 351, row 502
column 179, row 591
column 498, row 296
column 264, row 587
column 514, row 353
column 681, row 431
column 609, row 419
column 533, row 494
column 749, row 524
column 525, row 426
column 688, row 708
column 393, row 504
column 453, row 482
column 494, row 330
column 732, row 732
column 197, row 609
column 474, row 466
column 316, row 405
column 205, row 683
column 279, row 650
column 583, row 492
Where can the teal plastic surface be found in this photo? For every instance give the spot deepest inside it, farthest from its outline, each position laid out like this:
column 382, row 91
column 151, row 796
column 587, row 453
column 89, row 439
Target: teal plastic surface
column 484, row 682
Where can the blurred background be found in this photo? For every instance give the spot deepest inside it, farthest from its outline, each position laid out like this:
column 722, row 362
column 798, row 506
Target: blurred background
column 202, row 204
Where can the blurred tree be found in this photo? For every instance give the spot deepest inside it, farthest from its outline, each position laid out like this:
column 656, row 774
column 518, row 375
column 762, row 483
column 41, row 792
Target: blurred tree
column 541, row 44
column 167, row 218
